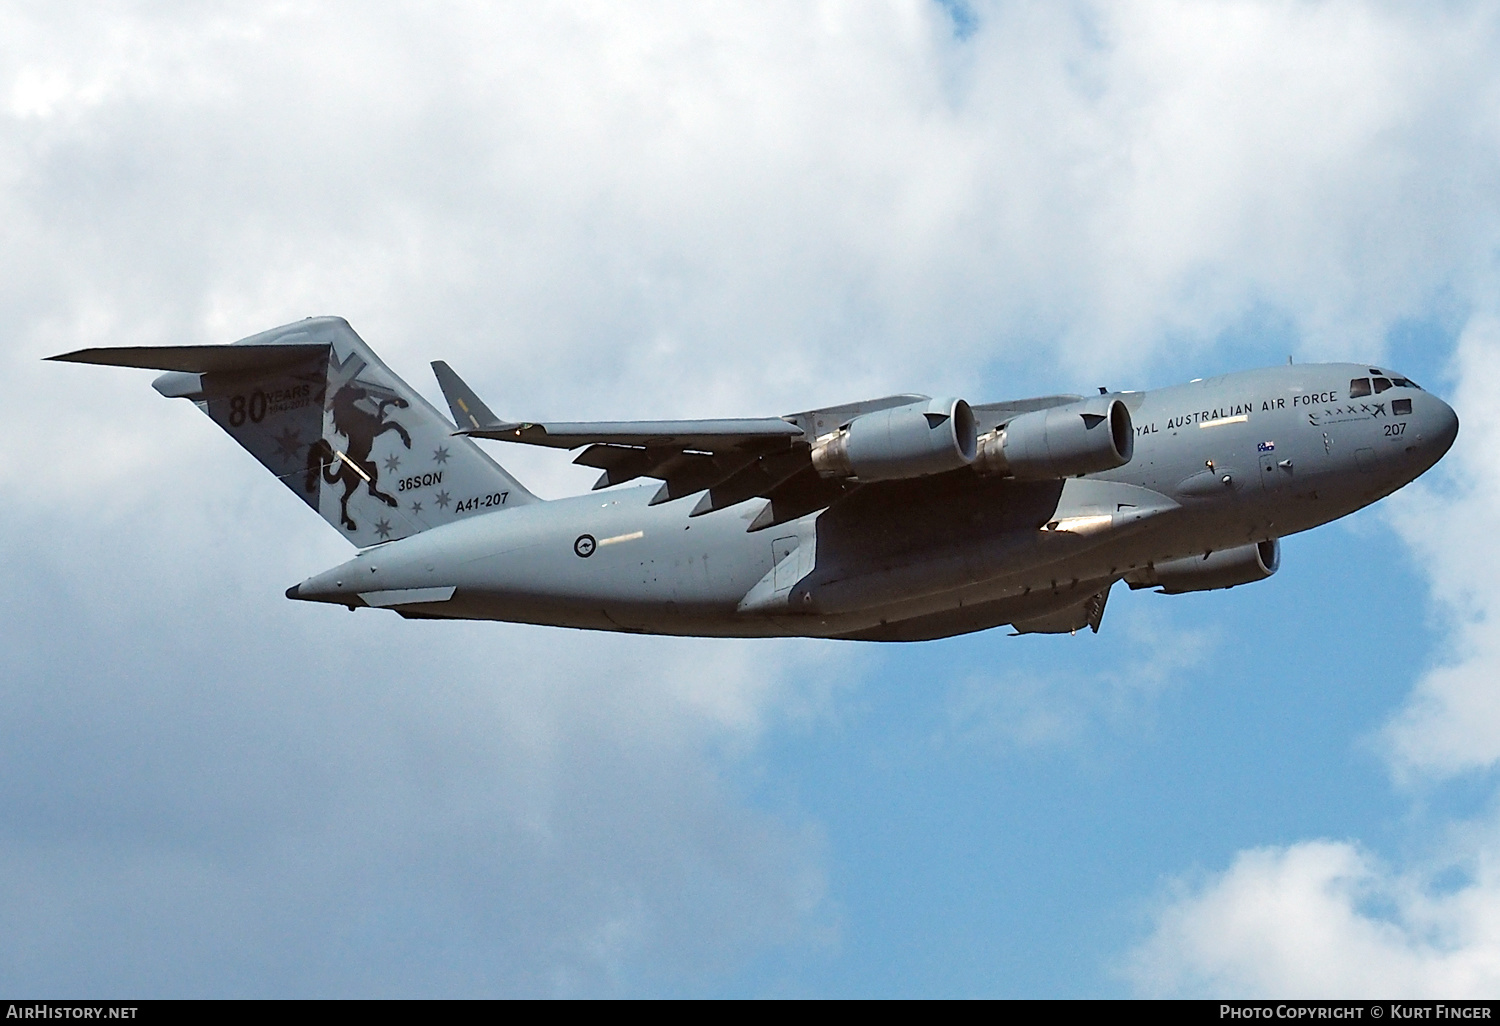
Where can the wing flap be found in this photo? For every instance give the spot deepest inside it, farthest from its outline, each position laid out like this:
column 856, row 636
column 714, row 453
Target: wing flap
column 622, row 463
column 760, row 477
column 803, row 493
column 686, row 473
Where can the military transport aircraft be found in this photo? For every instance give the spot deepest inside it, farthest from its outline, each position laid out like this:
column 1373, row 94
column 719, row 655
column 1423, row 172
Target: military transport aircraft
column 897, row 519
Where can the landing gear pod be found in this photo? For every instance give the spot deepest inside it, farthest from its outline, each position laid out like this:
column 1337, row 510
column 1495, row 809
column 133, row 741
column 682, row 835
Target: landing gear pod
column 909, row 441
column 1064, row 441
column 1223, row 569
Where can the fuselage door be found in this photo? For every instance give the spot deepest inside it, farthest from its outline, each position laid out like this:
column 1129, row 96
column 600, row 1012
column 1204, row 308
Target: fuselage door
column 782, row 550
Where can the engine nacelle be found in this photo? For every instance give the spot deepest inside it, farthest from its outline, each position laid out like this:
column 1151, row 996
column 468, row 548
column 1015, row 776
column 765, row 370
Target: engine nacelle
column 1064, row 441
column 1222, row 569
column 909, row 441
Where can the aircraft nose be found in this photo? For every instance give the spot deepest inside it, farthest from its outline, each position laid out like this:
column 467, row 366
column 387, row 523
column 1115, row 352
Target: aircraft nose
column 1442, row 428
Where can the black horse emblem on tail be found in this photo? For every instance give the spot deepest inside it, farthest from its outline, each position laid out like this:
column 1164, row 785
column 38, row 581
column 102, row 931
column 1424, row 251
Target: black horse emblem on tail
column 354, row 467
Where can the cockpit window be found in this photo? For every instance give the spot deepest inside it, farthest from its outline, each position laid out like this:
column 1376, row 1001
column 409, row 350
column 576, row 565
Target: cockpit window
column 1381, row 384
column 1401, row 407
column 1406, row 383
column 1359, row 387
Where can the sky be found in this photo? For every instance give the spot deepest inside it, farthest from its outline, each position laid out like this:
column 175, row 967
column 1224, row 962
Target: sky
column 612, row 210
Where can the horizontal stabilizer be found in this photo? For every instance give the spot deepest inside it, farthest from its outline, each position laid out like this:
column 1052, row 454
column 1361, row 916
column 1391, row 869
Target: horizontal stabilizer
column 198, row 359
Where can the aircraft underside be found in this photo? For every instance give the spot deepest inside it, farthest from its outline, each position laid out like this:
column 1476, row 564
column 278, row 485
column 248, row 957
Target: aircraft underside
column 1032, row 584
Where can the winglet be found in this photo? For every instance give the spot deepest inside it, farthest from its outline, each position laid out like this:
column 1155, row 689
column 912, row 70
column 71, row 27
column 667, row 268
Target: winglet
column 469, row 411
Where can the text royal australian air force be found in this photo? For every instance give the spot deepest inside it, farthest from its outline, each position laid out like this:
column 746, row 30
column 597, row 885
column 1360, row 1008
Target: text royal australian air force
column 1318, row 404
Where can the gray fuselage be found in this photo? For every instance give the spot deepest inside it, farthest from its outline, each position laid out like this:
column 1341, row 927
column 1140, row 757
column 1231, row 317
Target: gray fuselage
column 1218, row 463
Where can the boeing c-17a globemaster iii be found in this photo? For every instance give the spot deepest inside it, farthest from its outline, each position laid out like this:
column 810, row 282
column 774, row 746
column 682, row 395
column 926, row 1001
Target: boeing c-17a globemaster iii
column 898, row 519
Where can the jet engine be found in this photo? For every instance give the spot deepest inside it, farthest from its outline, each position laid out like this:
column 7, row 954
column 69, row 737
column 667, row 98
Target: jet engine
column 1222, row 569
column 909, row 441
column 1064, row 441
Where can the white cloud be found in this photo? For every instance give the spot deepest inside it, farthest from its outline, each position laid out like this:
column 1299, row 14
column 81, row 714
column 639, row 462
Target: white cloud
column 732, row 208
column 593, row 210
column 1325, row 919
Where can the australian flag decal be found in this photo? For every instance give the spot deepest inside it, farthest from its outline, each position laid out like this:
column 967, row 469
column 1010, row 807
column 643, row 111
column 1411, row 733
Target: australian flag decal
column 1266, row 447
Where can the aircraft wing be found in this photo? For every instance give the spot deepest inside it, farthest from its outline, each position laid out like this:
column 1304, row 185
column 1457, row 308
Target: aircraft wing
column 706, row 435
column 474, row 418
column 729, row 460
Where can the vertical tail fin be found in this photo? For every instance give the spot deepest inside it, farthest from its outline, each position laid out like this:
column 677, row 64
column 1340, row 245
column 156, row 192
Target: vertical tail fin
column 315, row 405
